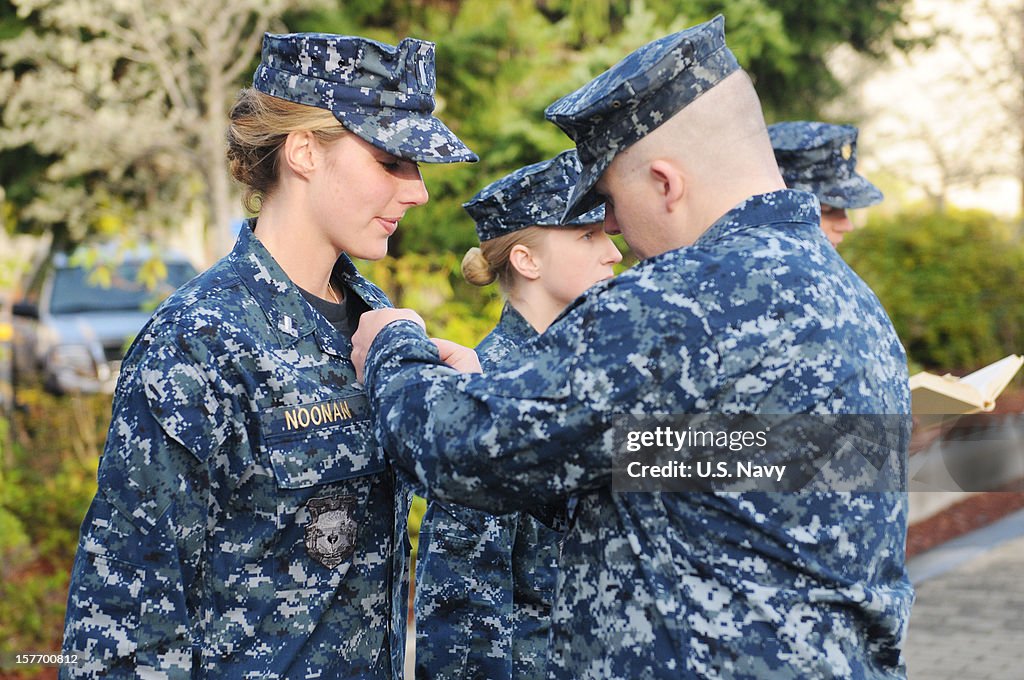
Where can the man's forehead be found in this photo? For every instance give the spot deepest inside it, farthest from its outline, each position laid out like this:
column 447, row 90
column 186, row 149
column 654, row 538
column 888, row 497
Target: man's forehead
column 613, row 174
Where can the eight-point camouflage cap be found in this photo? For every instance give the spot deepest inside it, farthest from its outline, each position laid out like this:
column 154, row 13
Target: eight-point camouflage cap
column 382, row 93
column 635, row 96
column 533, row 195
column 821, row 158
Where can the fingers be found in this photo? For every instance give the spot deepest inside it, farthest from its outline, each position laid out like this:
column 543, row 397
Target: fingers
column 462, row 359
column 371, row 323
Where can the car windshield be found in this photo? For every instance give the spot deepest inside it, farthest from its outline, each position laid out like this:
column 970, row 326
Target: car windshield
column 74, row 291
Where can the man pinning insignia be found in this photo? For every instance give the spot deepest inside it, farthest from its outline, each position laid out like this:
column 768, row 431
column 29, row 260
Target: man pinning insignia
column 735, row 308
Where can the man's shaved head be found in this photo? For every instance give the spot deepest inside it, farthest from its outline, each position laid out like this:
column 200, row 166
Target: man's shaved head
column 719, row 148
column 720, row 136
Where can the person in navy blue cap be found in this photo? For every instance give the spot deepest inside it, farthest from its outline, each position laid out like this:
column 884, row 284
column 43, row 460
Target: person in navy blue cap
column 733, row 309
column 243, row 521
column 540, row 262
column 822, row 158
column 485, row 583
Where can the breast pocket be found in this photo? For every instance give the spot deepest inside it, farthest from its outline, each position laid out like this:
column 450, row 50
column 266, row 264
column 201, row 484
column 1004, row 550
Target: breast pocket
column 326, row 469
column 321, row 442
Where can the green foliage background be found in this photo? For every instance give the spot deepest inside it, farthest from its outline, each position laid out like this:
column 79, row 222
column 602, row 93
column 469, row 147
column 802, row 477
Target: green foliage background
column 953, row 284
column 49, row 454
column 500, row 64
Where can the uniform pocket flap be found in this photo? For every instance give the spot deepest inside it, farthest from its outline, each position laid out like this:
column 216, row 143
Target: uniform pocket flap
column 321, row 442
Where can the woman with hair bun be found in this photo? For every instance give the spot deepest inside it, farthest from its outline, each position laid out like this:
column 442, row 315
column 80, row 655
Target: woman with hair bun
column 485, row 583
column 243, row 522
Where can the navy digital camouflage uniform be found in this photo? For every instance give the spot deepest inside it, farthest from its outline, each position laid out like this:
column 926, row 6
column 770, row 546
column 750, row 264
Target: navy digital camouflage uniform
column 760, row 315
column 822, row 158
column 538, row 533
column 243, row 521
column 485, row 583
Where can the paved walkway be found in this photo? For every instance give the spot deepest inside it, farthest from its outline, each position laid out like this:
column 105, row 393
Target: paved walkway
column 968, row 620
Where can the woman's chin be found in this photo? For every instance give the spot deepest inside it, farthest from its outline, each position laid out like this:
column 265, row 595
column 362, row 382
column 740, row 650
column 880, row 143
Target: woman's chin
column 374, row 252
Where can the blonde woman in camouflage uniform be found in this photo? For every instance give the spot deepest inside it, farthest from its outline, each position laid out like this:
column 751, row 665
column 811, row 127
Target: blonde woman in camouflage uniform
column 244, row 517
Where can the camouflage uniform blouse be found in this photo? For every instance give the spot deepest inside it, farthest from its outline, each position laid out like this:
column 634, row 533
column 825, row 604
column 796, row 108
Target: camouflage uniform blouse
column 760, row 315
column 242, row 526
column 485, row 583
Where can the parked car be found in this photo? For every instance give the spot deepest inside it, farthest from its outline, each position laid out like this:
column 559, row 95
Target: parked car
column 72, row 330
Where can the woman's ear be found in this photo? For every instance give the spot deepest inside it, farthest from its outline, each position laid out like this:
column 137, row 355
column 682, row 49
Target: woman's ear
column 670, row 183
column 298, row 152
column 523, row 261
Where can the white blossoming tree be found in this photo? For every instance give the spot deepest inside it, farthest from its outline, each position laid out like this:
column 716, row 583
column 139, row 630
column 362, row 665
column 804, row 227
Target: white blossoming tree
column 127, row 100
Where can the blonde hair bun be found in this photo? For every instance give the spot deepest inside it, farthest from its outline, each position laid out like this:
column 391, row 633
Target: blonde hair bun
column 476, row 269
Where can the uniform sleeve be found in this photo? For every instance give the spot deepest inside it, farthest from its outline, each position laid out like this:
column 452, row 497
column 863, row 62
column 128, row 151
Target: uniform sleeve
column 134, row 584
column 506, row 441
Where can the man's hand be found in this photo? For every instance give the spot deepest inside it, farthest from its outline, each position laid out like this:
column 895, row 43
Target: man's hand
column 462, row 359
column 370, row 324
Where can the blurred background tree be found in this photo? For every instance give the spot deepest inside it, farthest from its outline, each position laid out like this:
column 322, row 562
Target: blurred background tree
column 500, row 65
column 119, row 108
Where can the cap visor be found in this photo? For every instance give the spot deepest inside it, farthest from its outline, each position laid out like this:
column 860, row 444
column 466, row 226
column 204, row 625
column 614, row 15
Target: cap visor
column 855, row 192
column 583, row 197
column 413, row 136
column 592, row 216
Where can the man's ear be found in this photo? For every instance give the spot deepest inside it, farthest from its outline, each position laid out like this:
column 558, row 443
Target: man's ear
column 298, row 152
column 671, row 183
column 523, row 261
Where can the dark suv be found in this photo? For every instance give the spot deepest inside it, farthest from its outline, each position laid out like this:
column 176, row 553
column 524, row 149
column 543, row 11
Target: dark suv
column 73, row 330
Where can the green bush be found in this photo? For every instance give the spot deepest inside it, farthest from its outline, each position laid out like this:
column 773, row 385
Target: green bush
column 47, row 480
column 953, row 283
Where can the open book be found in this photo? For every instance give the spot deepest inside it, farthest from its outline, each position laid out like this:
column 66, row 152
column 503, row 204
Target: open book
column 931, row 394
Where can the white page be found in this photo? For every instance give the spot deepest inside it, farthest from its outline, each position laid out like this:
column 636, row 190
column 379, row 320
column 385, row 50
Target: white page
column 991, row 380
